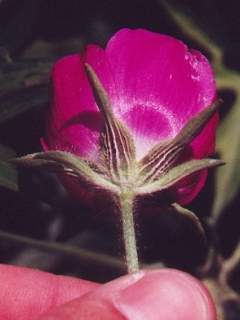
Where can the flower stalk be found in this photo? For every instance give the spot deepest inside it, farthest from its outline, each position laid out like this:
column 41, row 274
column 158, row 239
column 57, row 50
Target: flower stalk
column 119, row 153
column 126, row 201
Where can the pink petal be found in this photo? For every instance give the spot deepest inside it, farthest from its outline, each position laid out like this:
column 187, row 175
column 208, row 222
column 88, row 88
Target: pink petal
column 187, row 189
column 161, row 85
column 97, row 58
column 74, row 122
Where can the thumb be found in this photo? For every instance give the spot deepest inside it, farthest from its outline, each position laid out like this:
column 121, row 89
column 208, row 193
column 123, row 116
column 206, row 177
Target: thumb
column 160, row 294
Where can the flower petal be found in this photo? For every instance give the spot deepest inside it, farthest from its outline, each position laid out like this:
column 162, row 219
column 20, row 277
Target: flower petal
column 73, row 122
column 161, row 85
column 187, row 189
column 96, row 57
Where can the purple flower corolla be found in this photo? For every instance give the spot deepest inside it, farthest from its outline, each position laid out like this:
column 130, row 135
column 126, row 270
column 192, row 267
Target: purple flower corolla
column 156, row 85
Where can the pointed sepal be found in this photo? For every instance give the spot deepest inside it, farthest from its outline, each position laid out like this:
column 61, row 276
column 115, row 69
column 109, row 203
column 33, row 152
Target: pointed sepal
column 176, row 174
column 163, row 157
column 187, row 214
column 117, row 144
column 69, row 164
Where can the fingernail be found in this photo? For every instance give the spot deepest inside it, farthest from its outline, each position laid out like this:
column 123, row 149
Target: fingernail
column 165, row 294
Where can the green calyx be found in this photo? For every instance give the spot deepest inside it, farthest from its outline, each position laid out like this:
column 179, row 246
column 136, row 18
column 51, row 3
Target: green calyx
column 118, row 168
column 119, row 173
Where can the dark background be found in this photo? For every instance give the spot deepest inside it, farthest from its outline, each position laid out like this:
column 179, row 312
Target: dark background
column 43, row 30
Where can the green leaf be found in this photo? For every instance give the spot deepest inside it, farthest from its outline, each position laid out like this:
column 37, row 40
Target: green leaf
column 186, row 213
column 228, row 146
column 17, row 102
column 8, row 174
column 6, row 152
column 18, row 74
column 23, row 85
column 192, row 30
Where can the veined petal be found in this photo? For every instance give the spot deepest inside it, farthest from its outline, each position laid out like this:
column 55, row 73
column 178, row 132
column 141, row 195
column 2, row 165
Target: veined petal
column 161, row 85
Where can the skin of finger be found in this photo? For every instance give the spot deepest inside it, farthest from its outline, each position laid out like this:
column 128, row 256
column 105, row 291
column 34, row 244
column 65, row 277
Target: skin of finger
column 26, row 293
column 162, row 294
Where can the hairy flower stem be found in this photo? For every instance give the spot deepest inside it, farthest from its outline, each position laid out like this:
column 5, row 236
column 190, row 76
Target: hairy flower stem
column 128, row 228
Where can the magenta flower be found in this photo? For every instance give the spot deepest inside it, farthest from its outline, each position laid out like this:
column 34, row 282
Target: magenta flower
column 133, row 120
column 156, row 85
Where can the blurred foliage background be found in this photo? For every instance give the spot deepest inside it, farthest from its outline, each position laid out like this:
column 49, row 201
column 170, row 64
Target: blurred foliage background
column 39, row 225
